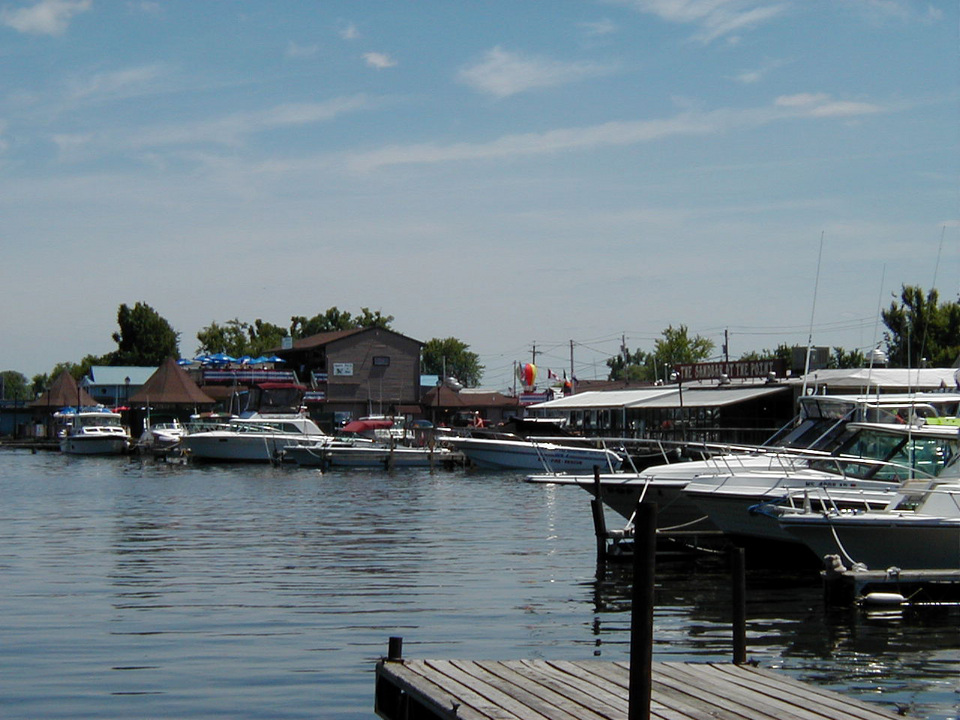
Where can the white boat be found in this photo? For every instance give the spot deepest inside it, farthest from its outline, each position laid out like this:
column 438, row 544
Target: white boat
column 369, row 454
column 92, row 431
column 819, row 429
column 533, row 454
column 161, row 434
column 865, row 472
column 918, row 530
column 261, row 433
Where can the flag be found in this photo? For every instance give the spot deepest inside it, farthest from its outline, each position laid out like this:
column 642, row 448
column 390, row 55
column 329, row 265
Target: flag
column 551, row 375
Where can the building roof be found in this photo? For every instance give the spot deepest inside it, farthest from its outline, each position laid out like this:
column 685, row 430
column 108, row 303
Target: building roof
column 872, row 379
column 64, row 392
column 444, row 397
column 170, row 385
column 323, row 339
column 108, row 375
column 667, row 396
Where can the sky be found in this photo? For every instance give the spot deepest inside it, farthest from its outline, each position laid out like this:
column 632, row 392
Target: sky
column 560, row 177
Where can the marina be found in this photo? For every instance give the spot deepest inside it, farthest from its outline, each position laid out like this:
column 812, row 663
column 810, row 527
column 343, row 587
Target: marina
column 137, row 588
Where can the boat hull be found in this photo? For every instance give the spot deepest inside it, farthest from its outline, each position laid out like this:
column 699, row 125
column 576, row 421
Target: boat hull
column 907, row 543
column 237, row 447
column 380, row 457
column 532, row 456
column 94, row 445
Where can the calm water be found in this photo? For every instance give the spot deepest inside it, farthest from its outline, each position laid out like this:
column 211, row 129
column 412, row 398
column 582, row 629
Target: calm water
column 131, row 590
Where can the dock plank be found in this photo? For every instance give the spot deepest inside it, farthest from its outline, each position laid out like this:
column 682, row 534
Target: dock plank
column 599, row 690
column 726, row 696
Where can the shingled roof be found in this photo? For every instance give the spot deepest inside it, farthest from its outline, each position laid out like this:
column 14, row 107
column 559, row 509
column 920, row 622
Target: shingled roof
column 170, row 385
column 64, row 392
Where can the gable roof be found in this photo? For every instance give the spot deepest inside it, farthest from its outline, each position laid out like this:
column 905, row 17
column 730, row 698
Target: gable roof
column 323, row 339
column 64, row 392
column 171, row 385
column 116, row 375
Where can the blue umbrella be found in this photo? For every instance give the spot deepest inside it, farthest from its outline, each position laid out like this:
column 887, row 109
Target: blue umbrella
column 221, row 358
column 274, row 359
column 184, row 361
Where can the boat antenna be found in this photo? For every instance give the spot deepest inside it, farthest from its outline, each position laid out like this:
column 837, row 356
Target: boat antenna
column 813, row 310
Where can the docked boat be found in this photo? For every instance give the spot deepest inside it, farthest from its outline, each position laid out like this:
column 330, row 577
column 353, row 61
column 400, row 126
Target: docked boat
column 533, row 454
column 918, row 530
column 370, row 454
column 864, row 472
column 159, row 435
column 271, row 423
column 819, row 429
column 92, row 431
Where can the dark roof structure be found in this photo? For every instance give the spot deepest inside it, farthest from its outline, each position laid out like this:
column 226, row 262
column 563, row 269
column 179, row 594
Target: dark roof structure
column 64, row 392
column 170, row 385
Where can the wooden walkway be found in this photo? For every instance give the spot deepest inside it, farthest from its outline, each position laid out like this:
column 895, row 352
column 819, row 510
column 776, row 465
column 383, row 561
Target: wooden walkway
column 598, row 690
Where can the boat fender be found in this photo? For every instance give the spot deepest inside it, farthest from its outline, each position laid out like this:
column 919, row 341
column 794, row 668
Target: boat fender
column 884, row 598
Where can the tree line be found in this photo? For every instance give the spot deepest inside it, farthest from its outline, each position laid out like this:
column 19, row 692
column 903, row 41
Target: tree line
column 920, row 331
column 145, row 338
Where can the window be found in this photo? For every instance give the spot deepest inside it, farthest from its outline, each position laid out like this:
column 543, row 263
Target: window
column 381, row 361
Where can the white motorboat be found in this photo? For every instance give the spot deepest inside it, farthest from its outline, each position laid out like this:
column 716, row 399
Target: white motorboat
column 272, row 422
column 92, row 431
column 865, row 472
column 161, row 434
column 370, row 454
column 918, row 530
column 820, row 428
column 533, row 454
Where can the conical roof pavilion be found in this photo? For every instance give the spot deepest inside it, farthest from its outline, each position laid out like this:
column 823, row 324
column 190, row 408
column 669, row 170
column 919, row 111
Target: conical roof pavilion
column 170, row 385
column 64, row 392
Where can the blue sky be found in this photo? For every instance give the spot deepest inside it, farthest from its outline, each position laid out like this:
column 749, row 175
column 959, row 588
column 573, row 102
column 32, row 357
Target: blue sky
column 508, row 173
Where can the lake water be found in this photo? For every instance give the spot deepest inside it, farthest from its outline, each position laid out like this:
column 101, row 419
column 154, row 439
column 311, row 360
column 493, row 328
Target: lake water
column 166, row 591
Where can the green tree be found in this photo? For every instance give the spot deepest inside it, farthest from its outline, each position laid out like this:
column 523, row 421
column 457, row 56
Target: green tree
column 678, row 348
column 229, row 338
column 13, row 386
column 921, row 330
column 637, row 366
column 455, row 356
column 841, row 359
column 145, row 338
column 335, row 319
column 675, row 347
column 783, row 352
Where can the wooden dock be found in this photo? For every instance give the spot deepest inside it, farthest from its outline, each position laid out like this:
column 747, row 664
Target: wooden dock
column 599, row 690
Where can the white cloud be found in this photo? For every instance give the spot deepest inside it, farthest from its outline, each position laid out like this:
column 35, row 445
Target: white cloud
column 600, row 27
column 614, row 134
column 229, row 130
column 47, row 17
column 349, row 31
column 295, row 50
column 502, row 73
column 380, row 61
column 130, row 81
column 716, row 18
column 823, row 105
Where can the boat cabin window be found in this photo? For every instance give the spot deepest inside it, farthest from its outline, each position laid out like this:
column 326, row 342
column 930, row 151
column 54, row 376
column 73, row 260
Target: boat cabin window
column 899, row 456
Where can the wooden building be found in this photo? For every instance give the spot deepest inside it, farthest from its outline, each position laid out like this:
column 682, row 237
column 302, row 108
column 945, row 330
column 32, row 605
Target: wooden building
column 356, row 373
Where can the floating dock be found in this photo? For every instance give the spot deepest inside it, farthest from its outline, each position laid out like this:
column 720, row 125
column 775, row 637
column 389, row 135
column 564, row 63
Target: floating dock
column 892, row 587
column 599, row 690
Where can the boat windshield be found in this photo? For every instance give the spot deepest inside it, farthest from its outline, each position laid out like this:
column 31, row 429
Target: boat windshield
column 100, row 420
column 900, row 456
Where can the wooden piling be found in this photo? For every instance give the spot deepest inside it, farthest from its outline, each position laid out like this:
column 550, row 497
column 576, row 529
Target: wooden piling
column 641, row 612
column 738, row 571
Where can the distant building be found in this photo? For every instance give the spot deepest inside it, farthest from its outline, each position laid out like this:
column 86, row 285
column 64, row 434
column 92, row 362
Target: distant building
column 113, row 386
column 356, row 373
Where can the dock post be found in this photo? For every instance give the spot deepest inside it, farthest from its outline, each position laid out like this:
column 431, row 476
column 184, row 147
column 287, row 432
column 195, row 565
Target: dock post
column 641, row 612
column 395, row 648
column 599, row 521
column 738, row 570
